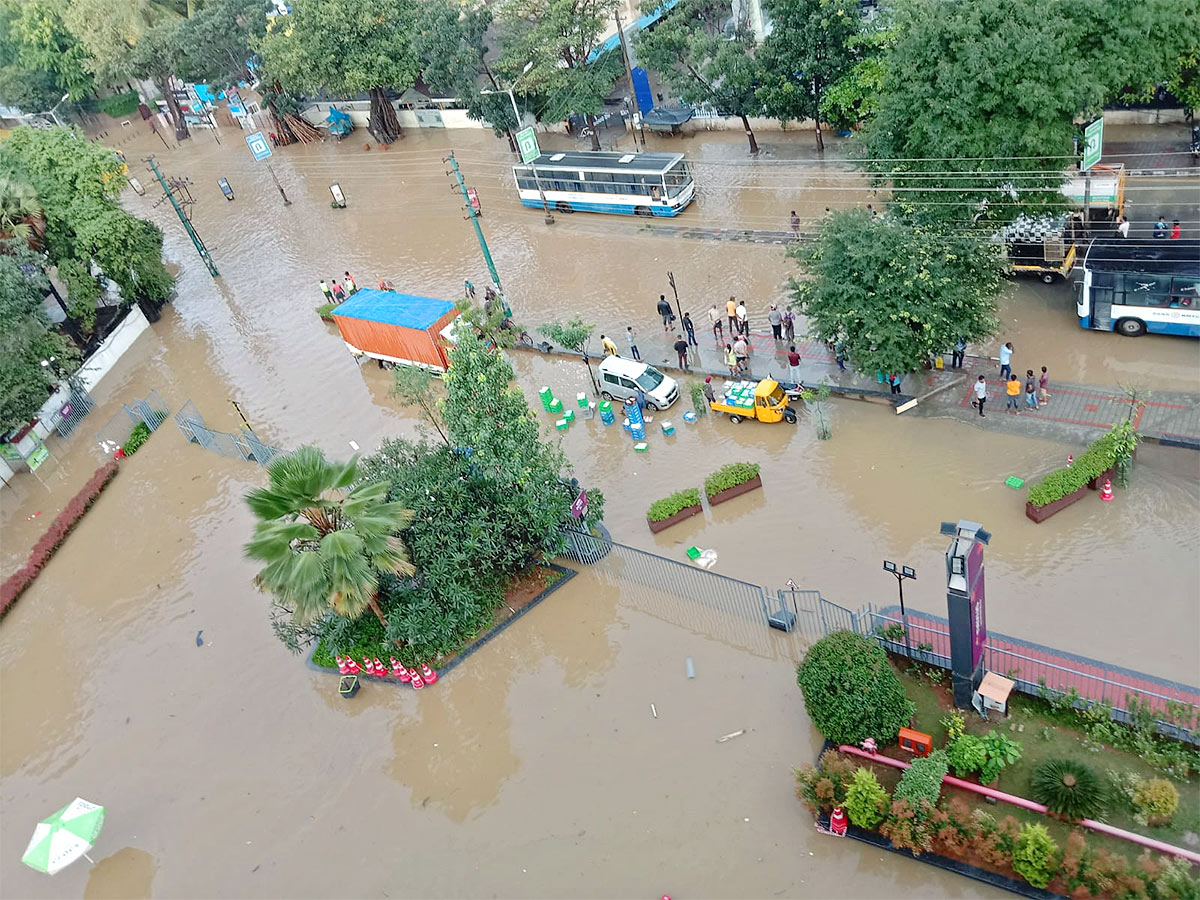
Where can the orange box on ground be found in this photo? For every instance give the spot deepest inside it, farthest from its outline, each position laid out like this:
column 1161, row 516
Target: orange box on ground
column 399, row 328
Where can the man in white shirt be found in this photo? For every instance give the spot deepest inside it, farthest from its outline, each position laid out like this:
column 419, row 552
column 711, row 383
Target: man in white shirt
column 980, row 389
column 1123, row 227
column 743, row 327
column 714, row 321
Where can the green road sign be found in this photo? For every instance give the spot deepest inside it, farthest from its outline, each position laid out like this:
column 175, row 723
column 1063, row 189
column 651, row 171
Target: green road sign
column 1093, row 143
column 528, row 145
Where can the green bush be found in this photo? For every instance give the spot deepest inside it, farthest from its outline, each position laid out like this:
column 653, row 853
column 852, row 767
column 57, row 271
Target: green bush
column 1069, row 789
column 1155, row 800
column 140, row 434
column 729, row 476
column 922, row 782
column 119, row 105
column 851, row 690
column 1033, row 857
column 1106, row 452
column 666, row 507
column 824, row 786
column 967, row 754
column 325, row 309
column 1002, row 751
column 866, row 800
column 699, row 401
column 955, row 726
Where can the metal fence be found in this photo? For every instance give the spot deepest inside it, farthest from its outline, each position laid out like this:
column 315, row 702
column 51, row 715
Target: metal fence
column 244, row 444
column 152, row 412
column 70, row 414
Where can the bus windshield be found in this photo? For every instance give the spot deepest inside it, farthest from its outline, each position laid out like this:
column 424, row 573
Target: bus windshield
column 650, row 379
column 677, row 178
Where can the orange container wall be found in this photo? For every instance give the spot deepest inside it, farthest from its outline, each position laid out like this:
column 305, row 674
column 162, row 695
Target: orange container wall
column 395, row 341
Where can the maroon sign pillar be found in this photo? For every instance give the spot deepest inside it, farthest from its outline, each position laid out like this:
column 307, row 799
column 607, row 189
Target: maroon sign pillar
column 966, row 607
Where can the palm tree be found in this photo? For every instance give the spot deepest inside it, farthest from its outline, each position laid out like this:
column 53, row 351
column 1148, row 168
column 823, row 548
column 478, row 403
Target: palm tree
column 323, row 539
column 21, row 215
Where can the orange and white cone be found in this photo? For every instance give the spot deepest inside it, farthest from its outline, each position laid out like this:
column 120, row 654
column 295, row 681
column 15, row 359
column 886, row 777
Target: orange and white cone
column 343, row 669
column 415, row 676
column 352, row 666
column 398, row 670
column 381, row 670
column 1106, row 493
column 837, row 821
column 428, row 674
column 1070, row 459
column 368, row 665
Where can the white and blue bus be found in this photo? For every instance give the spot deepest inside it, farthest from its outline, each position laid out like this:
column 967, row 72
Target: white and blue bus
column 1139, row 286
column 639, row 184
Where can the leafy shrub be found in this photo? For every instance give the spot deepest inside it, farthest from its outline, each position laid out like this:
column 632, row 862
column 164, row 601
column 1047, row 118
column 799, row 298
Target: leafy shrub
column 729, row 476
column 668, row 506
column 1033, row 857
column 1155, row 801
column 48, row 544
column 1106, row 452
column 699, row 401
column 967, row 755
column 851, row 691
column 866, row 800
column 824, row 786
column 140, row 434
column 1069, row 789
column 921, row 784
column 905, row 829
column 119, row 105
column 1002, row 751
column 955, row 725
column 326, row 309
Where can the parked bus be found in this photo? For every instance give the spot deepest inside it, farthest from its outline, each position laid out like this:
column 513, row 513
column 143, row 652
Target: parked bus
column 1139, row 286
column 642, row 184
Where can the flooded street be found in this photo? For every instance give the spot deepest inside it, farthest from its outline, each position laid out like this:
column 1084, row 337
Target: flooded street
column 536, row 769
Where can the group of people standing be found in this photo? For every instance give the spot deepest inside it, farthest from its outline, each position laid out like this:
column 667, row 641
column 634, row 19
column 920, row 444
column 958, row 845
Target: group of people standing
column 1036, row 388
column 336, row 293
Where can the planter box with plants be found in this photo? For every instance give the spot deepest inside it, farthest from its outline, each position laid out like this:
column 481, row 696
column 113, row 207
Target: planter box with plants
column 671, row 510
column 732, row 481
column 1109, row 454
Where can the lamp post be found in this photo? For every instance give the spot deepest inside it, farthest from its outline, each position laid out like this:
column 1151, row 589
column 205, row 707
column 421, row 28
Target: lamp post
column 517, row 115
column 901, row 572
column 51, row 111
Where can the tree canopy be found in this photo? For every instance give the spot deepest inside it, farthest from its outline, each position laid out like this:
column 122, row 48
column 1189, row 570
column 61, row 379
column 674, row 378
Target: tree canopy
column 216, row 42
column 40, row 59
column 557, row 37
column 26, row 337
column 894, row 294
column 346, row 47
column 806, row 53
column 703, row 65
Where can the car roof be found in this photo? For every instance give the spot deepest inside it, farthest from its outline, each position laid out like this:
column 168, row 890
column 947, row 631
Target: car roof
column 622, row 366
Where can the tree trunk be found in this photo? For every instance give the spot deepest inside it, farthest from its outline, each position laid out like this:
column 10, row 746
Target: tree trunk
column 591, row 121
column 383, row 125
column 377, row 609
column 176, row 114
column 512, row 141
column 750, row 136
column 820, row 138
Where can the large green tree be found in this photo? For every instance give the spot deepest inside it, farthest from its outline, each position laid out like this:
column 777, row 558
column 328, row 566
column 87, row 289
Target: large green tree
column 26, row 337
column 806, row 53
column 324, row 540
column 450, row 43
column 217, row 41
column 854, row 98
column 557, row 37
column 346, row 47
column 40, row 59
column 894, row 294
column 703, row 65
column 155, row 57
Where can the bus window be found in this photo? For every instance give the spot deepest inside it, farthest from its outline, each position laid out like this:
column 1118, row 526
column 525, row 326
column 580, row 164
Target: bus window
column 1147, row 289
column 1184, row 290
column 677, row 178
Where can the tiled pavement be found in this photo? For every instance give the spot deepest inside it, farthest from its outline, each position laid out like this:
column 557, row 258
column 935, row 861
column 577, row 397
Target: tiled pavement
column 1076, row 412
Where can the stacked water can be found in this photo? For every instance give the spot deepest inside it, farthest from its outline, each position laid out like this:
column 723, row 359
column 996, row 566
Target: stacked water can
column 607, row 416
column 636, row 426
column 554, row 406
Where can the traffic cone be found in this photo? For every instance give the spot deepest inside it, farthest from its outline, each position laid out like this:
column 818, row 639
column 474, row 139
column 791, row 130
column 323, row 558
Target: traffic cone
column 343, row 669
column 415, row 676
column 428, row 674
column 1106, row 493
column 368, row 665
column 1070, row 459
column 352, row 665
column 380, row 669
column 398, row 670
column 837, row 821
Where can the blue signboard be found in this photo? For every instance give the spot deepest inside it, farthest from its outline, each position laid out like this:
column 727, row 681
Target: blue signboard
column 258, row 145
column 641, row 87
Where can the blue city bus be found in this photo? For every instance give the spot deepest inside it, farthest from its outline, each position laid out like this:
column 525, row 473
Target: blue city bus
column 639, row 184
column 1139, row 286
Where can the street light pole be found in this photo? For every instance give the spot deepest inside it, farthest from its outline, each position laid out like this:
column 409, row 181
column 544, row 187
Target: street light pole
column 901, row 573
column 532, row 167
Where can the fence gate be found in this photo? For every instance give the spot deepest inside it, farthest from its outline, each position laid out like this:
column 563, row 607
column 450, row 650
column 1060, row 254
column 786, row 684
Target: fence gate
column 150, row 412
column 78, row 405
column 242, row 445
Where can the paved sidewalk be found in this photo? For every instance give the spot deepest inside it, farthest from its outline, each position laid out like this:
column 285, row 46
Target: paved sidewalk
column 1076, row 412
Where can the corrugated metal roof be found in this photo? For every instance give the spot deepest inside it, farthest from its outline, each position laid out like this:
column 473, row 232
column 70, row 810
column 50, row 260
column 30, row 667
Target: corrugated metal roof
column 392, row 308
column 586, row 159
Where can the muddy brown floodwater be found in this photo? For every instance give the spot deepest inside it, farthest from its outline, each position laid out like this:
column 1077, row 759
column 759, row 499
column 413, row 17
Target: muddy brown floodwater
column 536, row 769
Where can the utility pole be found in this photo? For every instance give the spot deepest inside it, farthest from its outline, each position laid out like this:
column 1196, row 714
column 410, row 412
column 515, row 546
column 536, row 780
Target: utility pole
column 638, row 131
column 671, row 279
column 286, row 201
column 474, row 217
column 169, row 194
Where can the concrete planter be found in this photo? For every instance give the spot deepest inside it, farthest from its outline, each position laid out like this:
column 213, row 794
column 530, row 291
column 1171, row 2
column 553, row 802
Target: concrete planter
column 1040, row 514
column 1098, row 482
column 736, row 491
column 686, row 513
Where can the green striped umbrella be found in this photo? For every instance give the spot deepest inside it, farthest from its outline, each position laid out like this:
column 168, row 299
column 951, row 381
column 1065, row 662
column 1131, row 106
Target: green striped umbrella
column 64, row 837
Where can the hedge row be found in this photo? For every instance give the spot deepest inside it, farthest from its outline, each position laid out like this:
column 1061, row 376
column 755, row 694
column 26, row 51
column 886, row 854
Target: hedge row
column 663, row 509
column 1101, row 455
column 48, row 543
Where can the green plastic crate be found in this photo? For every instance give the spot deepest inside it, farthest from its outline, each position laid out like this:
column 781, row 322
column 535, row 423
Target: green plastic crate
column 562, row 424
column 1013, row 481
column 693, row 552
column 641, row 447
column 555, row 405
